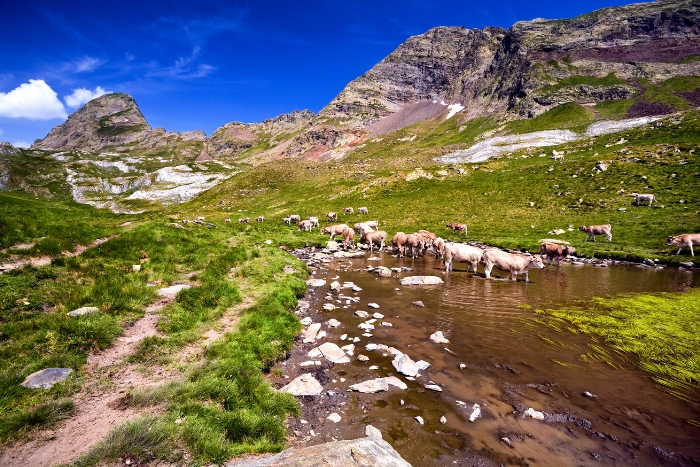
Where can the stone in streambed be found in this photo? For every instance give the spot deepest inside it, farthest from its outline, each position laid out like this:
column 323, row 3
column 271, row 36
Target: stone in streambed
column 439, row 338
column 304, row 385
column 421, row 280
column 333, row 353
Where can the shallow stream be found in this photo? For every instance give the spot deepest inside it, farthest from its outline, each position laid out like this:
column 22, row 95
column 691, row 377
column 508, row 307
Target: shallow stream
column 511, row 362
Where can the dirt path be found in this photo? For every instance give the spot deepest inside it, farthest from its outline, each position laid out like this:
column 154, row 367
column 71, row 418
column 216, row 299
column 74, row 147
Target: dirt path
column 103, row 406
column 46, row 260
column 100, row 406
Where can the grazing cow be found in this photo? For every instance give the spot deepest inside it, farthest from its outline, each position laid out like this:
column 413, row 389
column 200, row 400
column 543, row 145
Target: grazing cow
column 558, row 157
column 516, row 264
column 332, row 216
column 555, row 251
column 260, row 218
column 333, row 230
column 287, row 220
column 457, row 227
column 439, row 248
column 373, row 224
column 399, row 243
column 463, row 254
column 305, row 225
column 295, row 218
column 374, row 238
column 363, row 210
column 684, row 240
column 314, row 221
column 429, row 239
column 416, row 243
column 244, row 220
column 643, row 198
column 349, row 238
column 362, row 228
column 348, row 210
column 593, row 230
column 228, row 221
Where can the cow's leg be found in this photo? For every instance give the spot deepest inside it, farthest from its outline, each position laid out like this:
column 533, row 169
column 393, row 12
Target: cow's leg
column 487, row 271
column 527, row 276
column 593, row 238
column 692, row 253
column 679, row 250
column 514, row 275
column 584, row 240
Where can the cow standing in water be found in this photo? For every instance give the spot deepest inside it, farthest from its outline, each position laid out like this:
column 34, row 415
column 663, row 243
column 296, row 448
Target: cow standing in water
column 516, row 264
column 556, row 251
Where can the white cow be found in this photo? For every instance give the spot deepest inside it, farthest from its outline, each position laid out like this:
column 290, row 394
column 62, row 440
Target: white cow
column 462, row 254
column 684, row 240
column 516, row 264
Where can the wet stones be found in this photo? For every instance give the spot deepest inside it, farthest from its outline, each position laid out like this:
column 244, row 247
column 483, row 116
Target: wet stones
column 422, row 280
column 334, row 417
column 333, row 353
column 537, row 415
column 362, row 314
column 316, row 282
column 304, row 385
column 476, row 413
column 418, row 303
column 334, row 323
column 335, row 286
column 373, row 305
column 405, row 365
column 439, row 338
column 362, row 358
column 311, row 332
column 46, row 378
column 378, row 385
column 433, row 387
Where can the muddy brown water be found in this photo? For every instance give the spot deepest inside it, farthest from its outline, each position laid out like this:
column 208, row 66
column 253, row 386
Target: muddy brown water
column 512, row 363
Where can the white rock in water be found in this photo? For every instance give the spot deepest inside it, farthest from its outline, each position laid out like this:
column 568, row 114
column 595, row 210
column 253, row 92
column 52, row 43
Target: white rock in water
column 422, row 365
column 374, row 367
column 86, row 310
column 373, row 305
column 362, row 358
column 534, row 414
column 357, row 339
column 335, row 286
column 378, row 316
column 439, row 338
column 421, row 280
column 356, row 288
column 476, row 413
column 329, row 307
column 349, row 349
column 306, row 321
column 367, row 334
column 304, row 385
column 590, row 394
column 311, row 332
column 333, row 353
column 383, row 272
column 394, row 381
column 443, row 420
column 343, row 337
column 334, row 417
column 366, row 326
column 371, row 347
column 316, row 282
column 433, row 387
column 419, row 419
column 373, row 432
column 310, row 363
column 393, row 351
column 362, row 314
column 321, row 335
column 405, row 365
column 462, row 366
column 386, row 324
column 334, row 323
column 313, row 353
column 371, row 386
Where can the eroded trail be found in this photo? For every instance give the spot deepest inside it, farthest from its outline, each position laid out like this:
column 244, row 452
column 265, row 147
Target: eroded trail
column 45, row 260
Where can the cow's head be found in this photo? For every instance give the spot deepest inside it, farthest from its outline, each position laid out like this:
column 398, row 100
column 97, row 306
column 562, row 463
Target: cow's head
column 536, row 261
column 569, row 250
column 325, row 231
column 583, row 228
column 671, row 240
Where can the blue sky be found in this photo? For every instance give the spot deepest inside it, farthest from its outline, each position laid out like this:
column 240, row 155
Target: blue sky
column 199, row 65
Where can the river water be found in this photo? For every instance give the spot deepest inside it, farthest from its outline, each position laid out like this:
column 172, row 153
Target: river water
column 511, row 361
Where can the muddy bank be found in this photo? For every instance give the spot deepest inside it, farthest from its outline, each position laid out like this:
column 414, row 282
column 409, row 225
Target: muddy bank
column 497, row 357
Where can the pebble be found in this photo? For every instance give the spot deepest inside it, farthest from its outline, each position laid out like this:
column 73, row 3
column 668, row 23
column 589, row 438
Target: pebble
column 343, row 337
column 419, row 419
column 476, row 413
column 306, row 321
column 588, row 394
column 373, row 305
column 362, row 358
column 313, row 353
column 417, row 303
column 362, row 314
column 386, row 324
column 334, row 323
column 378, row 316
column 433, row 387
column 310, row 363
column 439, row 338
column 462, row 366
column 367, row 334
column 374, row 367
column 321, row 335
column 443, row 420
column 371, row 347
column 334, row 417
column 357, row 339
column 537, row 415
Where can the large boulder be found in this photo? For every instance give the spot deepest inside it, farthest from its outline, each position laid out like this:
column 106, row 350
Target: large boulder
column 46, row 378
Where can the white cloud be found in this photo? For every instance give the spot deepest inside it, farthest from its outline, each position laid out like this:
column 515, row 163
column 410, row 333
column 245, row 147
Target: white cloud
column 81, row 96
column 34, row 100
column 21, row 144
column 87, row 64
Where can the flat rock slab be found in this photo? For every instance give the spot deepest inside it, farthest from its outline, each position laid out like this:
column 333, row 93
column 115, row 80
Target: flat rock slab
column 304, row 385
column 349, row 254
column 421, row 280
column 405, row 365
column 46, row 378
column 363, row 452
column 311, row 332
column 333, row 353
column 316, row 282
column 173, row 290
column 378, row 385
column 86, row 310
column 439, row 338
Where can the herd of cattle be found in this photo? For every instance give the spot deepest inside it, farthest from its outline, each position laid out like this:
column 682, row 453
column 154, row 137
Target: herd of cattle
column 424, row 242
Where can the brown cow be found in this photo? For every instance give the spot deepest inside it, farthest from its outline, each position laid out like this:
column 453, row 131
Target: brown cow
column 516, row 264
column 244, row 220
column 332, row 216
column 593, row 230
column 684, row 240
column 399, row 243
column 416, row 243
column 333, row 230
column 349, row 238
column 305, row 225
column 348, row 210
column 260, row 218
column 372, row 238
column 556, row 251
column 362, row 228
column 462, row 253
column 295, row 218
column 313, row 220
column 227, row 220
column 439, row 248
column 457, row 227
